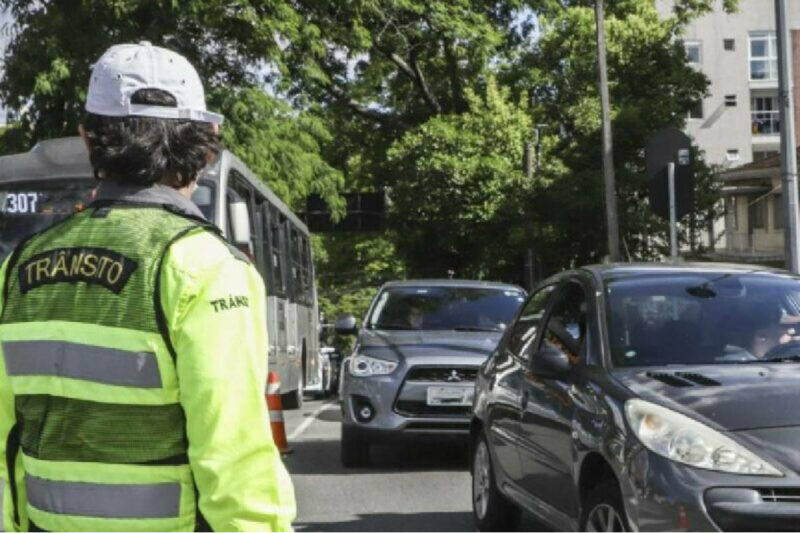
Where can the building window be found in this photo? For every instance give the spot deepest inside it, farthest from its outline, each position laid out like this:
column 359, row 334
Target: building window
column 696, row 109
column 763, row 56
column 733, row 215
column 693, row 53
column 732, row 155
column 777, row 211
column 765, row 115
column 730, row 100
column 758, row 155
column 729, row 44
column 758, row 213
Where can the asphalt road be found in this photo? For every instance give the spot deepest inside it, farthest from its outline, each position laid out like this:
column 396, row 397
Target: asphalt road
column 408, row 487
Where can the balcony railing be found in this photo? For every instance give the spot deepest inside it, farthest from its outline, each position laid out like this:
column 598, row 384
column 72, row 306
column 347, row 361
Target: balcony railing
column 766, row 122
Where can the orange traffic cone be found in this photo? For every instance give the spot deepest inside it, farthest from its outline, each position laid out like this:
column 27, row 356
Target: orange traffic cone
column 276, row 413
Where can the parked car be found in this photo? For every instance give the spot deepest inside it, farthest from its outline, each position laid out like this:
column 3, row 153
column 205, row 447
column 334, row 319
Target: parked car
column 644, row 397
column 413, row 368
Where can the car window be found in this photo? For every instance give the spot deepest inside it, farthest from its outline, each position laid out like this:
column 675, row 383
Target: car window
column 445, row 308
column 567, row 324
column 699, row 318
column 523, row 335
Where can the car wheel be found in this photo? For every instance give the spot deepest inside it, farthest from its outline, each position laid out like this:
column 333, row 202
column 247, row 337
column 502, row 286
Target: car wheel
column 355, row 448
column 491, row 509
column 603, row 509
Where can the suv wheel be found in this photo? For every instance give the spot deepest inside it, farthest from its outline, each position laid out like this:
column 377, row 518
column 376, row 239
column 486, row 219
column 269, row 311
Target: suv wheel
column 355, row 448
column 603, row 509
column 491, row 509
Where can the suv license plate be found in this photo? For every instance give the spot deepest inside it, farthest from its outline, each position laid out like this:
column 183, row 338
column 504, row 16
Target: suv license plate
column 454, row 395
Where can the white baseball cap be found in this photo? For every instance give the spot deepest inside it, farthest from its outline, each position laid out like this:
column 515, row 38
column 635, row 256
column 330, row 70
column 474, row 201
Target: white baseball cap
column 126, row 68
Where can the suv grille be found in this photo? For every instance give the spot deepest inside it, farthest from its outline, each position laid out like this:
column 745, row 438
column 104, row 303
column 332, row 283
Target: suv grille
column 444, row 374
column 789, row 495
column 414, row 408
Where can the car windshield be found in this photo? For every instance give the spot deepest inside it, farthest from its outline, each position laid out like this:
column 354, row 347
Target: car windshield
column 445, row 308
column 31, row 206
column 708, row 318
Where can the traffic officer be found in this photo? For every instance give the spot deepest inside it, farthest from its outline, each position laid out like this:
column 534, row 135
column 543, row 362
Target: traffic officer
column 128, row 401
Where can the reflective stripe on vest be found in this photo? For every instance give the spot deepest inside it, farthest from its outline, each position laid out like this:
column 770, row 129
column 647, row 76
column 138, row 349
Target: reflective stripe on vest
column 81, row 361
column 102, row 500
column 2, row 516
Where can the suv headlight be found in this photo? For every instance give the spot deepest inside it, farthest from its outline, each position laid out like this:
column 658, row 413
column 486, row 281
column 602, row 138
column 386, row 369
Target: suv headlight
column 363, row 366
column 682, row 439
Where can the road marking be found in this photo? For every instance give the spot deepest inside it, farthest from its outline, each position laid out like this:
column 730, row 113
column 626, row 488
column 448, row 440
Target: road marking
column 299, row 430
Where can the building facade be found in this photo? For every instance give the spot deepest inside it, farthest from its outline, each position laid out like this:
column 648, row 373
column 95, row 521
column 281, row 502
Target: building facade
column 737, row 125
column 738, row 122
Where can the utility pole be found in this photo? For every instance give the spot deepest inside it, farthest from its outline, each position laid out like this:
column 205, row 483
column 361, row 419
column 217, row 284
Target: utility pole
column 788, row 142
column 612, row 225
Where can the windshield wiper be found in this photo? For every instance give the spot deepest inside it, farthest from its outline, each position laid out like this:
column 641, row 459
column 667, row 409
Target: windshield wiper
column 782, row 359
column 476, row 328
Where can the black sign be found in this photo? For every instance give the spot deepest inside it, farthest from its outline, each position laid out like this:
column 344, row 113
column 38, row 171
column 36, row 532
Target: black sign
column 366, row 212
column 670, row 145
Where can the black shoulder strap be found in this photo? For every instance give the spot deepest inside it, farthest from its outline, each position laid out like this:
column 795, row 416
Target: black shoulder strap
column 12, row 448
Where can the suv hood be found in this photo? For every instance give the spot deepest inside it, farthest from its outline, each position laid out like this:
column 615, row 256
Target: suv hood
column 432, row 347
column 732, row 397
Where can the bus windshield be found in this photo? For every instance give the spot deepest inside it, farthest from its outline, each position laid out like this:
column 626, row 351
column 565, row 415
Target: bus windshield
column 31, row 206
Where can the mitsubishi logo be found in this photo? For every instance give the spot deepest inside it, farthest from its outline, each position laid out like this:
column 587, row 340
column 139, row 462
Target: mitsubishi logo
column 454, row 377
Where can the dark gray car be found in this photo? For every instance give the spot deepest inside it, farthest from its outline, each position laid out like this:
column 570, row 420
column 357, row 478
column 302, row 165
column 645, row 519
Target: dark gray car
column 412, row 372
column 644, row 397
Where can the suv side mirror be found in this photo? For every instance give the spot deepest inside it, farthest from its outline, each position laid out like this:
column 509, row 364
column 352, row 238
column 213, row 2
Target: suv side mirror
column 550, row 363
column 346, row 325
column 240, row 224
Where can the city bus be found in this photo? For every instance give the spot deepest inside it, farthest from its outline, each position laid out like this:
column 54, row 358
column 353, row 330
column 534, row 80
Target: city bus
column 54, row 179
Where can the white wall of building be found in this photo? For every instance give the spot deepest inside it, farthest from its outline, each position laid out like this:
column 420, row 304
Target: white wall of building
column 725, row 130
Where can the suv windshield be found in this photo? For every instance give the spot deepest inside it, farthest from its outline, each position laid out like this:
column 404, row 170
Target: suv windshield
column 704, row 319
column 445, row 308
column 31, row 206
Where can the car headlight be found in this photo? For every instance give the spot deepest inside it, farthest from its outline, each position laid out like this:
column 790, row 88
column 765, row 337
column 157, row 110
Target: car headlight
column 682, row 439
column 363, row 366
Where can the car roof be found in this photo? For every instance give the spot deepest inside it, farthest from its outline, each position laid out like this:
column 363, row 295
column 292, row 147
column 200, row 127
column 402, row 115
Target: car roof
column 614, row 270
column 462, row 283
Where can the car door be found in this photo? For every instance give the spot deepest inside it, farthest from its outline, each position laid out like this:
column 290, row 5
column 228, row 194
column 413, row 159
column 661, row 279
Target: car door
column 508, row 368
column 546, row 448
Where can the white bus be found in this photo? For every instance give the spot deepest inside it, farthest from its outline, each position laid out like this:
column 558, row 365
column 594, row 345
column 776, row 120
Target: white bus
column 54, row 179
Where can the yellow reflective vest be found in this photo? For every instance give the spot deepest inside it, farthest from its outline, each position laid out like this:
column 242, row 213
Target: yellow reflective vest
column 116, row 420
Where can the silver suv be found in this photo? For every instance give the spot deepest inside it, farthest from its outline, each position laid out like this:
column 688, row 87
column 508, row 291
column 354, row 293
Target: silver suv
column 416, row 358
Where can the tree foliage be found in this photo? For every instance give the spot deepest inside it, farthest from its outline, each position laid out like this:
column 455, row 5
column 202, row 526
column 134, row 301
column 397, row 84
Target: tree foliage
column 457, row 177
column 231, row 43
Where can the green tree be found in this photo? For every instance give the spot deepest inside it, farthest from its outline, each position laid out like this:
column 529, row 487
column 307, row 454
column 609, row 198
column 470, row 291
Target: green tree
column 459, row 172
column 232, row 43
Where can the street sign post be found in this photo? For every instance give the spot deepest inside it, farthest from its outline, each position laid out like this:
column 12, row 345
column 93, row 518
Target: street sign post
column 670, row 168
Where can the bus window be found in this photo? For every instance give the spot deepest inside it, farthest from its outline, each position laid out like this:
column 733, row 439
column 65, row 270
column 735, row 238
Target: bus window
column 203, row 197
column 305, row 265
column 31, row 206
column 277, row 225
column 297, row 286
column 243, row 191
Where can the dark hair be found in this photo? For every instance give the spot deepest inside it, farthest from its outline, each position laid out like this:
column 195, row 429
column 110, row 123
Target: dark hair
column 145, row 150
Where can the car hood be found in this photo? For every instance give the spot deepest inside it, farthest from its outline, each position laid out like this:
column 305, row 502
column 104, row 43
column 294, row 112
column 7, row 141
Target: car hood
column 430, row 347
column 731, row 397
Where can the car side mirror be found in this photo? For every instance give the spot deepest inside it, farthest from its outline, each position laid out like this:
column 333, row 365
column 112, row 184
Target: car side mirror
column 240, row 224
column 346, row 325
column 550, row 363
